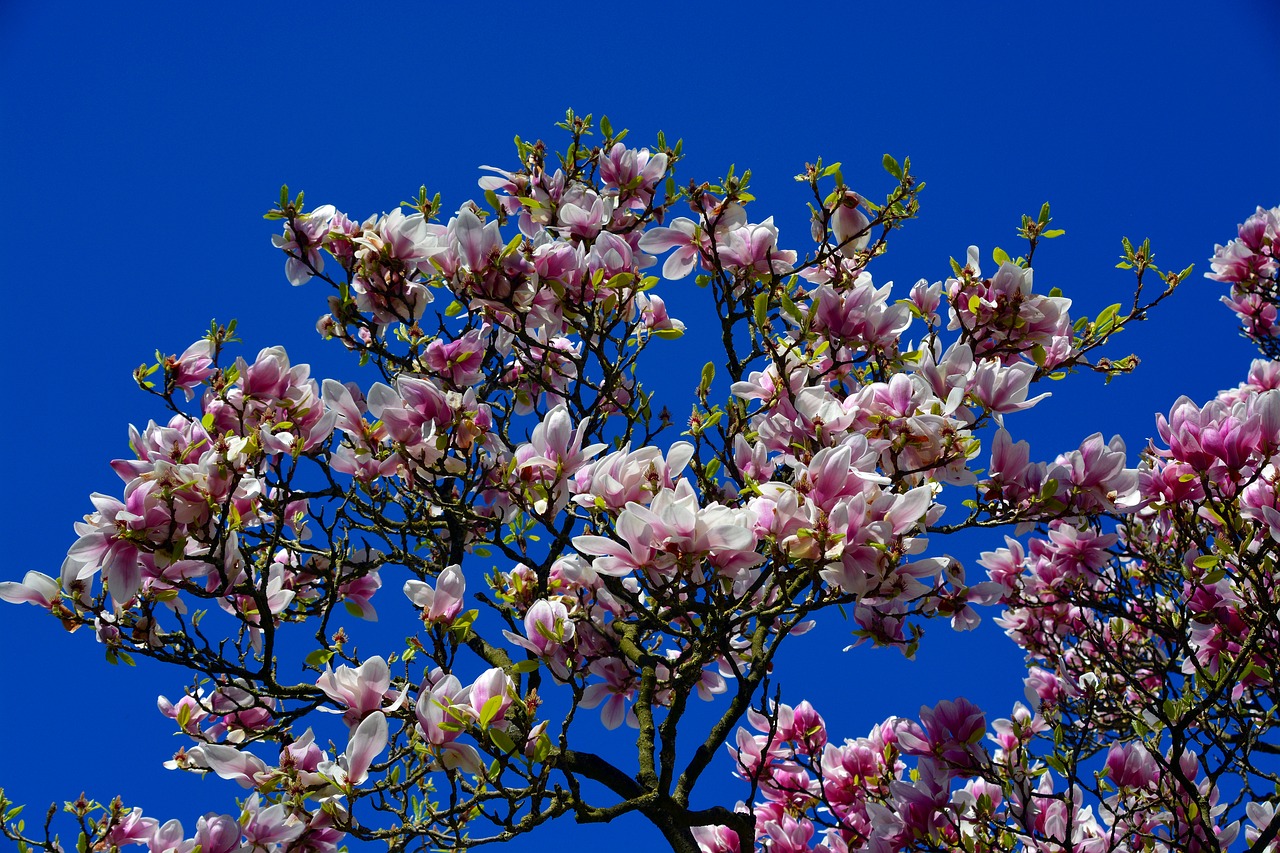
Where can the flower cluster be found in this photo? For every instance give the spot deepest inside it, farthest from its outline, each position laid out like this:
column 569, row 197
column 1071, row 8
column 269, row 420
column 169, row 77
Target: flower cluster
column 1250, row 264
column 506, row 453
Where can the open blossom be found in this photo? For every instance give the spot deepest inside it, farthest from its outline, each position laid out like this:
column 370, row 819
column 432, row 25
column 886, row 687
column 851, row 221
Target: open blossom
column 443, row 602
column 627, row 476
column 302, row 239
column 193, row 367
column 547, row 627
column 673, row 524
column 110, row 538
column 443, row 709
column 633, row 173
column 555, row 450
column 360, row 690
column 36, row 588
column 367, row 742
column 1131, row 766
column 683, row 236
column 474, row 243
column 460, row 361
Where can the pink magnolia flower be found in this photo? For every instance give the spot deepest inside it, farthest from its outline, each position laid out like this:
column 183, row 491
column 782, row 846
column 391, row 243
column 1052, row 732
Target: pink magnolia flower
column 368, row 740
column 716, row 839
column 849, row 225
column 547, row 627
column 754, row 248
column 443, row 709
column 459, row 362
column 132, row 828
column 36, row 588
column 1130, row 766
column 240, row 766
column 193, row 367
column 627, row 476
column 953, row 731
column 302, row 238
column 357, row 588
column 359, row 690
column 475, row 244
column 554, row 450
column 583, row 214
column 1003, row 389
column 217, row 833
column 266, row 827
column 490, row 695
column 683, row 236
column 193, row 708
column 633, row 173
column 616, row 689
column 443, row 603
column 110, row 538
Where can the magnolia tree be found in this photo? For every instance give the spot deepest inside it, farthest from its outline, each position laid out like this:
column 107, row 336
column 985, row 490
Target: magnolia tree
column 565, row 560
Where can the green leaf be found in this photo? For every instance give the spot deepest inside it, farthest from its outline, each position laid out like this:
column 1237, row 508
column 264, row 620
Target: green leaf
column 708, row 377
column 762, row 310
column 526, row 666
column 1205, row 561
column 891, row 166
column 1000, row 256
column 319, row 657
column 490, row 710
column 542, row 748
column 1102, row 325
column 502, row 740
column 789, row 306
column 1044, row 213
column 1053, row 232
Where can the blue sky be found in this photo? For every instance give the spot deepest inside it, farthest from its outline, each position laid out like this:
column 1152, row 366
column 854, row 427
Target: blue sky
column 142, row 142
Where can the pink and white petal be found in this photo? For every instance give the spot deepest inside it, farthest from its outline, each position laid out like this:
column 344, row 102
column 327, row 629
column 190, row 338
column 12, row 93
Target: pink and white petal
column 614, row 711
column 36, row 588
column 679, row 264
column 367, row 743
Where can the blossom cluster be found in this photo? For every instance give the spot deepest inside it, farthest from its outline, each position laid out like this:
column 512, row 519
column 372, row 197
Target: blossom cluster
column 508, row 454
column 1251, row 265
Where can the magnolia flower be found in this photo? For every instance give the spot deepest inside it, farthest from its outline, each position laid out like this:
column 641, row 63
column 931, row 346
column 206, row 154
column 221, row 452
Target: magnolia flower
column 849, row 225
column 360, row 690
column 36, row 588
column 682, row 235
column 240, row 766
column 443, row 603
